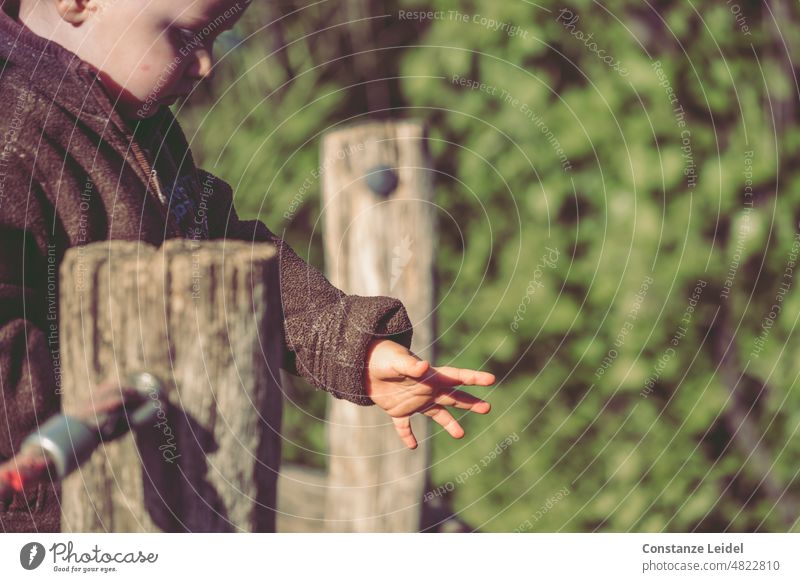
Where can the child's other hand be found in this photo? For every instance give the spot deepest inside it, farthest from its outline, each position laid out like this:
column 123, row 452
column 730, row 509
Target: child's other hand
column 401, row 384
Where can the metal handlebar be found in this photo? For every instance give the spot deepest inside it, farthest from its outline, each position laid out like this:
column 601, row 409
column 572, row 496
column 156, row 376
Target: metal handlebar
column 65, row 442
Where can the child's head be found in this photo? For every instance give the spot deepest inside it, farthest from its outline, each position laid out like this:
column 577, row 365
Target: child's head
column 149, row 52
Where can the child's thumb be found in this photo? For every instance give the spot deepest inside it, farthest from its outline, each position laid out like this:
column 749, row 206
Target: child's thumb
column 414, row 367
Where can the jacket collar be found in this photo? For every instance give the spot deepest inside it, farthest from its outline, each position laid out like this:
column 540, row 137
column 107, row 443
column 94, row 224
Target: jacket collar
column 58, row 74
column 64, row 80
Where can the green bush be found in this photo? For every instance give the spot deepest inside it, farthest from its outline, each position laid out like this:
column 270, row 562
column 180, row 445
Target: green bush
column 599, row 166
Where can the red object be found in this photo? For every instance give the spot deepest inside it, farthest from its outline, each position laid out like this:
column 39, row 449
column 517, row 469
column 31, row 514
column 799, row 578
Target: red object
column 12, row 478
column 15, row 474
column 15, row 480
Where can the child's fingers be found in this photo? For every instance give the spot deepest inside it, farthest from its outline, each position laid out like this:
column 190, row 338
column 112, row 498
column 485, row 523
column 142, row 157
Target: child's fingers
column 466, row 377
column 403, row 427
column 464, row 401
column 444, row 418
column 412, row 367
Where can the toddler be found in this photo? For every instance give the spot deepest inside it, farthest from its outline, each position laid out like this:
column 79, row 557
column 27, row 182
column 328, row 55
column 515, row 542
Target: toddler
column 90, row 151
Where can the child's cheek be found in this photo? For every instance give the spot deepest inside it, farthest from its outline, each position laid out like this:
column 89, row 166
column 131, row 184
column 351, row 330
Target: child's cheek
column 158, row 74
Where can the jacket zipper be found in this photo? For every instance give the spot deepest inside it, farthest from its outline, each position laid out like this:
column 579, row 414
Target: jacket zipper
column 153, row 184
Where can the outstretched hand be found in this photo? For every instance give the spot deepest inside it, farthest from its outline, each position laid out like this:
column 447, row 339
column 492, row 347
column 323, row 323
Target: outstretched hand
column 401, row 384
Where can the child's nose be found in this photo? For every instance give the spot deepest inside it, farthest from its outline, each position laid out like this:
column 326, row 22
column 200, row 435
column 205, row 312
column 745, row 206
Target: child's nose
column 202, row 66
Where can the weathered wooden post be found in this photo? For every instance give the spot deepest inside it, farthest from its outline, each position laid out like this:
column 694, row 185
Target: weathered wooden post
column 379, row 240
column 205, row 318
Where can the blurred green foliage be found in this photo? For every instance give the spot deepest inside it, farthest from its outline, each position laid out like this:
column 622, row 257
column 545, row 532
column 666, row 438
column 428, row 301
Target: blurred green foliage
column 712, row 445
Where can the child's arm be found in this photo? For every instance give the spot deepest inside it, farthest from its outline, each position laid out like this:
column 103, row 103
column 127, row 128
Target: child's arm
column 327, row 331
column 355, row 347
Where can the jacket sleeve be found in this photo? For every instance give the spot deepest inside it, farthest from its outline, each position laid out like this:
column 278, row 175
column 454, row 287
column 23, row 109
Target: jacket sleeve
column 326, row 331
column 28, row 337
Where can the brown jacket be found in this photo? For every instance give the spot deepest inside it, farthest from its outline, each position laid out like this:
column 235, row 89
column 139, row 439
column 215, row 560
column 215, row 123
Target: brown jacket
column 73, row 172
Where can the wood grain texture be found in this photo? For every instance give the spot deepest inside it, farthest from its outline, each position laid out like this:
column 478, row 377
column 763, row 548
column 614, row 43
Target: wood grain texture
column 205, row 318
column 379, row 245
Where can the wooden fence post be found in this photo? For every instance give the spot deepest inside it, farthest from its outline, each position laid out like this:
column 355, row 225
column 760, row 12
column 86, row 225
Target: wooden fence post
column 379, row 240
column 205, row 318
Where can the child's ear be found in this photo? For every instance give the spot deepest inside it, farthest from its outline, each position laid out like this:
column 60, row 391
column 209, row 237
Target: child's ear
column 76, row 12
